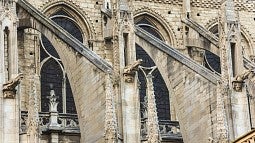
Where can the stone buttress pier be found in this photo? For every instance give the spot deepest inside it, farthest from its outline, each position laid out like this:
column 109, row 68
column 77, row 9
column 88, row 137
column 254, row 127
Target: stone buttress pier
column 9, row 77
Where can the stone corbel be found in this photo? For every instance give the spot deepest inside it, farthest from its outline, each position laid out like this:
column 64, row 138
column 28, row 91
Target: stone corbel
column 130, row 70
column 238, row 81
column 9, row 90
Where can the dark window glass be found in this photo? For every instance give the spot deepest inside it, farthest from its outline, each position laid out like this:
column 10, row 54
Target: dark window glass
column 51, row 75
column 70, row 104
column 69, row 26
column 43, row 54
column 161, row 91
column 147, row 26
column 212, row 61
column 61, row 12
column 49, row 47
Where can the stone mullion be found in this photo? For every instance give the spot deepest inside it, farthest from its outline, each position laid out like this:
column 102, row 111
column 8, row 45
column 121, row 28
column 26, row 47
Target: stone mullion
column 64, row 93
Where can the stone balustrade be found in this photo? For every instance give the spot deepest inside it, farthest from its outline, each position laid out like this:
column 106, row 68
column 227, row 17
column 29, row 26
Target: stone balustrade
column 67, row 122
column 169, row 130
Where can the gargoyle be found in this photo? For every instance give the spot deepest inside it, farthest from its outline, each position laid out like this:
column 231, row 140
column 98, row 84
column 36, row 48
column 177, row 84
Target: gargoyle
column 11, row 84
column 239, row 79
column 129, row 71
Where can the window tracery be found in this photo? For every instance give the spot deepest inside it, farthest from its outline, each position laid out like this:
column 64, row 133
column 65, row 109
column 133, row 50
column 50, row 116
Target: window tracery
column 53, row 75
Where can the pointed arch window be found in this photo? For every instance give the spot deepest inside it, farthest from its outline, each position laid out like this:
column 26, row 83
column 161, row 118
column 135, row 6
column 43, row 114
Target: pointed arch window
column 160, row 88
column 167, row 118
column 212, row 61
column 53, row 74
column 148, row 26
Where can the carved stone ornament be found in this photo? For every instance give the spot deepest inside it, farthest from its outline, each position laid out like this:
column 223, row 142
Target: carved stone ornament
column 130, row 70
column 252, row 57
column 9, row 87
column 238, row 81
column 237, row 85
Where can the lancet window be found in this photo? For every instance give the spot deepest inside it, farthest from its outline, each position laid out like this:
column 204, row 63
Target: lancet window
column 160, row 89
column 212, row 61
column 168, row 124
column 53, row 74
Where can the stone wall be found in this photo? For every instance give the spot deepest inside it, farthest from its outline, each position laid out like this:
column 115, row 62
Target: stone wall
column 87, row 83
column 196, row 106
column 28, row 41
column 193, row 97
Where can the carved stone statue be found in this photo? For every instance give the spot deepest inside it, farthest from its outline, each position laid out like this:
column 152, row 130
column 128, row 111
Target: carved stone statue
column 129, row 71
column 53, row 101
column 9, row 87
column 239, row 79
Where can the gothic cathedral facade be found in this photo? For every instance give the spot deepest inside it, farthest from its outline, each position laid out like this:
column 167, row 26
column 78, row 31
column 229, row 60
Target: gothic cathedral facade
column 127, row 71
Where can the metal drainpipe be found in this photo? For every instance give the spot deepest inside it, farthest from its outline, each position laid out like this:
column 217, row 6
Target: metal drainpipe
column 249, row 106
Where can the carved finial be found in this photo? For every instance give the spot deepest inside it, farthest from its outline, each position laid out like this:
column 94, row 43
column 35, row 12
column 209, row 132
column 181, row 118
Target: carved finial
column 129, row 71
column 53, row 101
column 9, row 87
